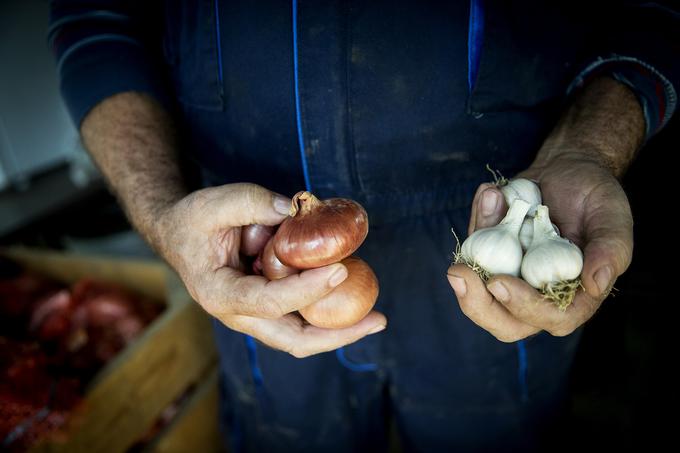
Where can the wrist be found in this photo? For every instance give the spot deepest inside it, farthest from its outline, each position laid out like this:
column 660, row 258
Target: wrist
column 604, row 124
column 160, row 228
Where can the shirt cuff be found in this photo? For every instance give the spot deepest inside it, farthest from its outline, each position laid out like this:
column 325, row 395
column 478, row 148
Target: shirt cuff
column 654, row 91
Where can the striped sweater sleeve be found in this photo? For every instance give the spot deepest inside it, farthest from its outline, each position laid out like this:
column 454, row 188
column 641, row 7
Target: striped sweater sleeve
column 104, row 47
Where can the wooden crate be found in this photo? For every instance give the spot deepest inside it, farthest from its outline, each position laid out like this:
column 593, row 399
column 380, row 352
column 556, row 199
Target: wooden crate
column 173, row 353
column 195, row 427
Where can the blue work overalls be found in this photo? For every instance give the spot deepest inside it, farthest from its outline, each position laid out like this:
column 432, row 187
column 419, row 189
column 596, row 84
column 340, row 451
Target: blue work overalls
column 400, row 106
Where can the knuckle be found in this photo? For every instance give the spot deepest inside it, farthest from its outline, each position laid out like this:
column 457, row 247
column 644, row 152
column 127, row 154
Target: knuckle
column 268, row 305
column 199, row 199
column 562, row 330
column 239, row 298
column 298, row 353
column 468, row 309
column 252, row 196
column 507, row 337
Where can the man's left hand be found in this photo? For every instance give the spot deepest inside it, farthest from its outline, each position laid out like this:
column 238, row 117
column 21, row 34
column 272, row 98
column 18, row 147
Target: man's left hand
column 590, row 208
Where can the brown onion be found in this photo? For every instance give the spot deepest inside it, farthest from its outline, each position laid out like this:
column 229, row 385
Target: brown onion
column 272, row 268
column 254, row 238
column 349, row 302
column 318, row 232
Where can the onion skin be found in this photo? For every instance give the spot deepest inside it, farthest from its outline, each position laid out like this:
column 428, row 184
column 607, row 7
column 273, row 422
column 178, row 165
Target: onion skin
column 319, row 233
column 349, row 302
column 254, row 237
column 272, row 268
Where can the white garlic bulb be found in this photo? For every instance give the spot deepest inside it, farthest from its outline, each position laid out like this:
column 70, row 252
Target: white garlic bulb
column 522, row 189
column 526, row 233
column 550, row 258
column 497, row 249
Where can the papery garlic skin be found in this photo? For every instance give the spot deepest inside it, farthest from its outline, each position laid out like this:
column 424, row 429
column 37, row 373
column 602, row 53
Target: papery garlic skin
column 497, row 249
column 550, row 258
column 526, row 233
column 523, row 189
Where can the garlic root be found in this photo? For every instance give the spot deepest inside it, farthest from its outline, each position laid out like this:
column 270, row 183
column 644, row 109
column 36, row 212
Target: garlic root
column 561, row 293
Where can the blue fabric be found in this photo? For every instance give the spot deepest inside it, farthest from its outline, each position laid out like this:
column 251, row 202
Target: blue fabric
column 358, row 367
column 102, row 48
column 522, row 369
column 475, row 40
column 298, row 119
column 218, row 38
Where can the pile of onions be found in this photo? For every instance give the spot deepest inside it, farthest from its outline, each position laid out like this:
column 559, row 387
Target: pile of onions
column 318, row 233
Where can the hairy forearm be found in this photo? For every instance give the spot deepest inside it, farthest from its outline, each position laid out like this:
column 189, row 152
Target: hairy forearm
column 604, row 123
column 133, row 142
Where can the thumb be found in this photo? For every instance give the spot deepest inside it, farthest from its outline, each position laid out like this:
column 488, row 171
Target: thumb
column 488, row 207
column 604, row 259
column 608, row 247
column 245, row 204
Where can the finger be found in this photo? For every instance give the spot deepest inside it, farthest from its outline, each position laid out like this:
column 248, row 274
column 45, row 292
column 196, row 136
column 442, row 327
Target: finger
column 478, row 305
column 488, row 207
column 608, row 235
column 244, row 204
column 293, row 335
column 252, row 295
column 530, row 307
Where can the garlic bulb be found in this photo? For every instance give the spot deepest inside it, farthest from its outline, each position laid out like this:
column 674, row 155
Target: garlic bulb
column 522, row 189
column 526, row 233
column 552, row 264
column 496, row 250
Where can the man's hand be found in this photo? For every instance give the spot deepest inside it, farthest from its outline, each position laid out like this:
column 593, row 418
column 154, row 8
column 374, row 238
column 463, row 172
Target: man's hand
column 589, row 206
column 133, row 141
column 200, row 237
column 576, row 173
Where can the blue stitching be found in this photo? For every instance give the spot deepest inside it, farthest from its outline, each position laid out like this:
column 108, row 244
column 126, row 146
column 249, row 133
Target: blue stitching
column 360, row 367
column 298, row 117
column 475, row 41
column 522, row 370
column 340, row 352
column 218, row 37
column 252, row 359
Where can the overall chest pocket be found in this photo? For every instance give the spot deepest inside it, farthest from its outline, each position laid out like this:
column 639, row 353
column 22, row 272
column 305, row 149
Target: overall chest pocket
column 191, row 46
column 530, row 54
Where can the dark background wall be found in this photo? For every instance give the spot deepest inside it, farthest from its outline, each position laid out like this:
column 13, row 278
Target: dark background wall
column 624, row 389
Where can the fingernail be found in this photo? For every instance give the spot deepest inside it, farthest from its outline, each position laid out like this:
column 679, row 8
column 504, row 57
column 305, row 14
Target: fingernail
column 499, row 291
column 376, row 329
column 603, row 279
column 281, row 204
column 489, row 202
column 458, row 284
column 337, row 277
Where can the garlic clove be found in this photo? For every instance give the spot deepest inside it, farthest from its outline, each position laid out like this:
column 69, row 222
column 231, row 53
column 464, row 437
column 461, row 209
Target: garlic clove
column 523, row 189
column 496, row 250
column 526, row 233
column 552, row 264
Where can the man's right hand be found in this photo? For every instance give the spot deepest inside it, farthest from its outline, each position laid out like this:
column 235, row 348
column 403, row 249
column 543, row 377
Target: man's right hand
column 200, row 237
